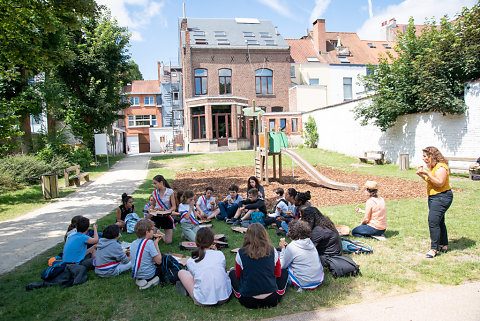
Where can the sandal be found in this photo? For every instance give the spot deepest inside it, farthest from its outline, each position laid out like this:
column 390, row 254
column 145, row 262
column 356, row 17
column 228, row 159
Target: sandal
column 431, row 254
column 443, row 248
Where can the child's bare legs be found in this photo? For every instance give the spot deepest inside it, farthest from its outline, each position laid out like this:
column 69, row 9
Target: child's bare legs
column 214, row 213
column 247, row 215
column 168, row 236
column 239, row 212
column 187, row 281
column 92, row 250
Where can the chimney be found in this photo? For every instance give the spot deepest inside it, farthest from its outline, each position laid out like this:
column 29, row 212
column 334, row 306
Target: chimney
column 319, row 35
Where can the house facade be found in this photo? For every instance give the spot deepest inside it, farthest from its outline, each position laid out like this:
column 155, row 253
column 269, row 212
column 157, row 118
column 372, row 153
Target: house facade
column 327, row 66
column 229, row 65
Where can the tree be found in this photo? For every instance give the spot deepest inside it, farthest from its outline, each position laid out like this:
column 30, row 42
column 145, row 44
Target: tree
column 311, row 133
column 429, row 73
column 133, row 72
column 94, row 75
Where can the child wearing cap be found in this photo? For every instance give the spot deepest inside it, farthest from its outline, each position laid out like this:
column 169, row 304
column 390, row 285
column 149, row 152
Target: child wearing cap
column 375, row 220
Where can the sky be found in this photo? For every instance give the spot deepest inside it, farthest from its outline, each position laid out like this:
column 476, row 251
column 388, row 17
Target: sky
column 153, row 24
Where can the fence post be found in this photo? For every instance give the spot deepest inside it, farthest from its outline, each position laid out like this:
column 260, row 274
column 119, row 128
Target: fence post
column 403, row 162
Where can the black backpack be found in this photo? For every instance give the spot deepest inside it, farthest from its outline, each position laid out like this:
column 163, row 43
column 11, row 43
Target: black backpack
column 169, row 269
column 341, row 266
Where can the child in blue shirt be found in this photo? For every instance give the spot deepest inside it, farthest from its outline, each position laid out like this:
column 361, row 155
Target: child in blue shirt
column 75, row 249
column 229, row 206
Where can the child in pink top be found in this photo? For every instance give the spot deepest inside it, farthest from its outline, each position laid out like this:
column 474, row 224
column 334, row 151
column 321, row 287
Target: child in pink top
column 374, row 221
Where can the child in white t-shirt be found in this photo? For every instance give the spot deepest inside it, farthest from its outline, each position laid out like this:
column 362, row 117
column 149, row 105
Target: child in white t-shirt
column 206, row 203
column 188, row 215
column 280, row 208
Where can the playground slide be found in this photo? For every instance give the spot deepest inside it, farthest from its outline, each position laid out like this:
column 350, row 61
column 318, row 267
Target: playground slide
column 319, row 178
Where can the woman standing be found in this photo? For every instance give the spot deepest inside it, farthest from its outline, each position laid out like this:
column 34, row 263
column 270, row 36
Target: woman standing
column 440, row 198
column 374, row 221
column 165, row 202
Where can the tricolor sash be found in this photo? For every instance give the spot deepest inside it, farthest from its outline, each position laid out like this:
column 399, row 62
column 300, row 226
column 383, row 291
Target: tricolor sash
column 295, row 282
column 192, row 218
column 159, row 201
column 106, row 267
column 138, row 257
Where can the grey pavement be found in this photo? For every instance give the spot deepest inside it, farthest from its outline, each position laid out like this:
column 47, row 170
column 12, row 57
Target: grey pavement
column 27, row 236
column 461, row 302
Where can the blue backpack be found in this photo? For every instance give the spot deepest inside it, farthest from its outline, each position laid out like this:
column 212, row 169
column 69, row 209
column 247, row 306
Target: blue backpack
column 257, row 217
column 355, row 247
column 130, row 221
column 51, row 272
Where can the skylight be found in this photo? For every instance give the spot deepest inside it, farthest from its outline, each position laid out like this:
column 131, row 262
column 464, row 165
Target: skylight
column 312, row 59
column 248, row 34
column 265, row 35
column 199, row 33
column 387, row 46
column 252, row 42
column 343, row 60
column 223, row 42
column 200, row 41
column 220, row 34
column 270, row 42
column 371, row 45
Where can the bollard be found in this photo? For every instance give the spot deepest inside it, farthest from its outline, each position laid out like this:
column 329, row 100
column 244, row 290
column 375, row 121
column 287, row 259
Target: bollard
column 49, row 186
column 403, row 162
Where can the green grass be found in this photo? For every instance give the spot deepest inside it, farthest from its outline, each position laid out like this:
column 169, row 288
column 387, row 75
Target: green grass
column 396, row 266
column 18, row 203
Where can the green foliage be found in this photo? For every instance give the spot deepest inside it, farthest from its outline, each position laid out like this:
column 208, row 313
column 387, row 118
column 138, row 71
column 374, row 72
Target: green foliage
column 310, row 133
column 133, row 72
column 83, row 157
column 24, row 169
column 429, row 74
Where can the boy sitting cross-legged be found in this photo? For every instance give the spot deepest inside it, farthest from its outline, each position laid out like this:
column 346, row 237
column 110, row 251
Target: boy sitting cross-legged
column 253, row 203
column 280, row 208
column 111, row 259
column 75, row 249
column 229, row 206
column 146, row 257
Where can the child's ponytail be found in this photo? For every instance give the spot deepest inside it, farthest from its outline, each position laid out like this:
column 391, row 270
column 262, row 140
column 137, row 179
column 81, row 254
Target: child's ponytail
column 204, row 240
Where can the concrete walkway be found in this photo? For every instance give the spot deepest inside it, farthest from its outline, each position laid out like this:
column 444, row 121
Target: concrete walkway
column 460, row 302
column 27, row 236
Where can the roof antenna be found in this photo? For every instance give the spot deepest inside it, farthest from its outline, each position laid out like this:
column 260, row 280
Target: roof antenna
column 184, row 10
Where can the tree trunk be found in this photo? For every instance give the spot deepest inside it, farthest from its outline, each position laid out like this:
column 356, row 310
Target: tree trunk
column 51, row 124
column 27, row 136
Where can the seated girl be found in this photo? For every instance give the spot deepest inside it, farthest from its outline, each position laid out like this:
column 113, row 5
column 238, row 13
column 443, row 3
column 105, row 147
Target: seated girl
column 258, row 280
column 374, row 221
column 300, row 257
column 205, row 279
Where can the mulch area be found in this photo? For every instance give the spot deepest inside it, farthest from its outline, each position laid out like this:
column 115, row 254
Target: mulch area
column 389, row 188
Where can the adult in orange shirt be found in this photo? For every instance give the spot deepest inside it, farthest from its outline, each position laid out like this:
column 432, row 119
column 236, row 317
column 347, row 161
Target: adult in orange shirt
column 440, row 198
column 375, row 219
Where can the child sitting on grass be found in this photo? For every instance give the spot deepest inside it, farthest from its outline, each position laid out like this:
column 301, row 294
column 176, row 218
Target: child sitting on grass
column 206, row 281
column 148, row 207
column 111, row 259
column 189, row 216
column 75, row 249
column 300, row 257
column 146, row 255
column 252, row 204
column 206, row 203
column 280, row 208
column 229, row 206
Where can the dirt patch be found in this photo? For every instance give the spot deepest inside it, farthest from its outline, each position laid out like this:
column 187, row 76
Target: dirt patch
column 389, row 188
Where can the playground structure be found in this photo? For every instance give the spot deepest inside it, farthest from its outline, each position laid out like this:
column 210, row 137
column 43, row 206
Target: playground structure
column 274, row 144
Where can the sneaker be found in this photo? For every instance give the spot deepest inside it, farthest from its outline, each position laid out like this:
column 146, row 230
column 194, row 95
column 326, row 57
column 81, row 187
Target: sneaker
column 219, row 217
column 237, row 222
column 181, row 289
column 141, row 282
column 230, row 220
column 281, row 232
column 150, row 283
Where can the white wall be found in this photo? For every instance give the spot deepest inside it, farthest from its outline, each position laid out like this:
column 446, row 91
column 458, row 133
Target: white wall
column 457, row 135
column 335, row 86
column 156, row 133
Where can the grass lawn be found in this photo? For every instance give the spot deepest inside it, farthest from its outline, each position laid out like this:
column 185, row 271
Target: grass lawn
column 396, row 266
column 18, row 203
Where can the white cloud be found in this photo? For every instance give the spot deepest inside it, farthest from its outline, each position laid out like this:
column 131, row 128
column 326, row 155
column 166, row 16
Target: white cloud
column 319, row 9
column 134, row 14
column 418, row 9
column 279, row 6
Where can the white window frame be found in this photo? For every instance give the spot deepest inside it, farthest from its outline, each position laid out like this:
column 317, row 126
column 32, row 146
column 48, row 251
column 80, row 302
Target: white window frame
column 149, row 100
column 347, row 88
column 134, row 101
column 140, row 120
column 314, row 81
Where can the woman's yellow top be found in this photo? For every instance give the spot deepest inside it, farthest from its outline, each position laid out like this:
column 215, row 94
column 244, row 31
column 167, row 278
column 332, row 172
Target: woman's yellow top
column 432, row 189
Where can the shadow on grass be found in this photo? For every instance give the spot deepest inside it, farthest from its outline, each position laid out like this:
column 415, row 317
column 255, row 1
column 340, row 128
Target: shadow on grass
column 390, row 233
column 461, row 244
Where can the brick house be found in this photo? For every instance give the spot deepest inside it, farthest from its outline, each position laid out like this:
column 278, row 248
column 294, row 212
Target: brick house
column 228, row 63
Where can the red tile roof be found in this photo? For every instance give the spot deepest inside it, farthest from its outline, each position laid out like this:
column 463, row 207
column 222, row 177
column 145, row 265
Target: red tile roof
column 143, row 86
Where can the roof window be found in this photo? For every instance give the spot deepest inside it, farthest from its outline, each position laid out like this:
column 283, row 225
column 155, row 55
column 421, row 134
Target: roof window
column 248, row 34
column 201, row 41
column 343, row 60
column 223, row 42
column 371, row 45
column 270, row 42
column 252, row 42
column 220, row 34
column 198, row 33
column 312, row 59
column 265, row 35
column 387, row 46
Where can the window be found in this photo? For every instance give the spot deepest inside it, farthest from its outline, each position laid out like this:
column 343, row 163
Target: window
column 252, row 42
column 199, row 33
column 149, row 101
column 347, row 88
column 294, row 125
column 271, row 125
column 142, row 120
column 343, row 59
column 174, row 74
column 248, row 34
column 270, row 42
column 159, row 100
column 264, row 81
column 175, row 98
column 223, row 42
column 225, row 81
column 220, row 34
column 134, row 101
column 292, row 72
column 265, row 35
column 313, row 81
column 387, row 46
column 283, row 124
column 312, row 59
column 201, row 81
column 198, row 123
column 277, row 109
column 201, row 41
column 371, row 45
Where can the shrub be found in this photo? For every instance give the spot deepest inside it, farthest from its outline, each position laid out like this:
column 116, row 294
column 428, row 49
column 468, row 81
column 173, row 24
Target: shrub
column 58, row 163
column 8, row 184
column 82, row 156
column 24, row 169
column 310, row 132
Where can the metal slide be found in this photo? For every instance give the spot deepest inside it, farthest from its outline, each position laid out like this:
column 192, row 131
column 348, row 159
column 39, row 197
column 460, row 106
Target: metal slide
column 317, row 177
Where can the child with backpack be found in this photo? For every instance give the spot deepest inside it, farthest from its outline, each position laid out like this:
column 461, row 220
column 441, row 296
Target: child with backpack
column 252, row 204
column 300, row 257
column 258, row 280
column 280, row 208
column 206, row 203
column 125, row 208
column 111, row 260
column 146, row 256
column 188, row 216
column 229, row 206
column 75, row 249
column 206, row 281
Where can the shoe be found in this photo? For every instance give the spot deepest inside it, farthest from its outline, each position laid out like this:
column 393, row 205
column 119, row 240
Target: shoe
column 181, row 289
column 141, row 282
column 431, row 254
column 281, row 232
column 443, row 248
column 150, row 283
column 219, row 217
column 237, row 222
column 229, row 220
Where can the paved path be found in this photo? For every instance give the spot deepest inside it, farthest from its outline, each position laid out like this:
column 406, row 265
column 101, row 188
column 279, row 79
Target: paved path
column 450, row 303
column 27, row 236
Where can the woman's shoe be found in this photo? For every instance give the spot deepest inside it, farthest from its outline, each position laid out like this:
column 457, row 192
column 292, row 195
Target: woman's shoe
column 431, row 254
column 443, row 249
